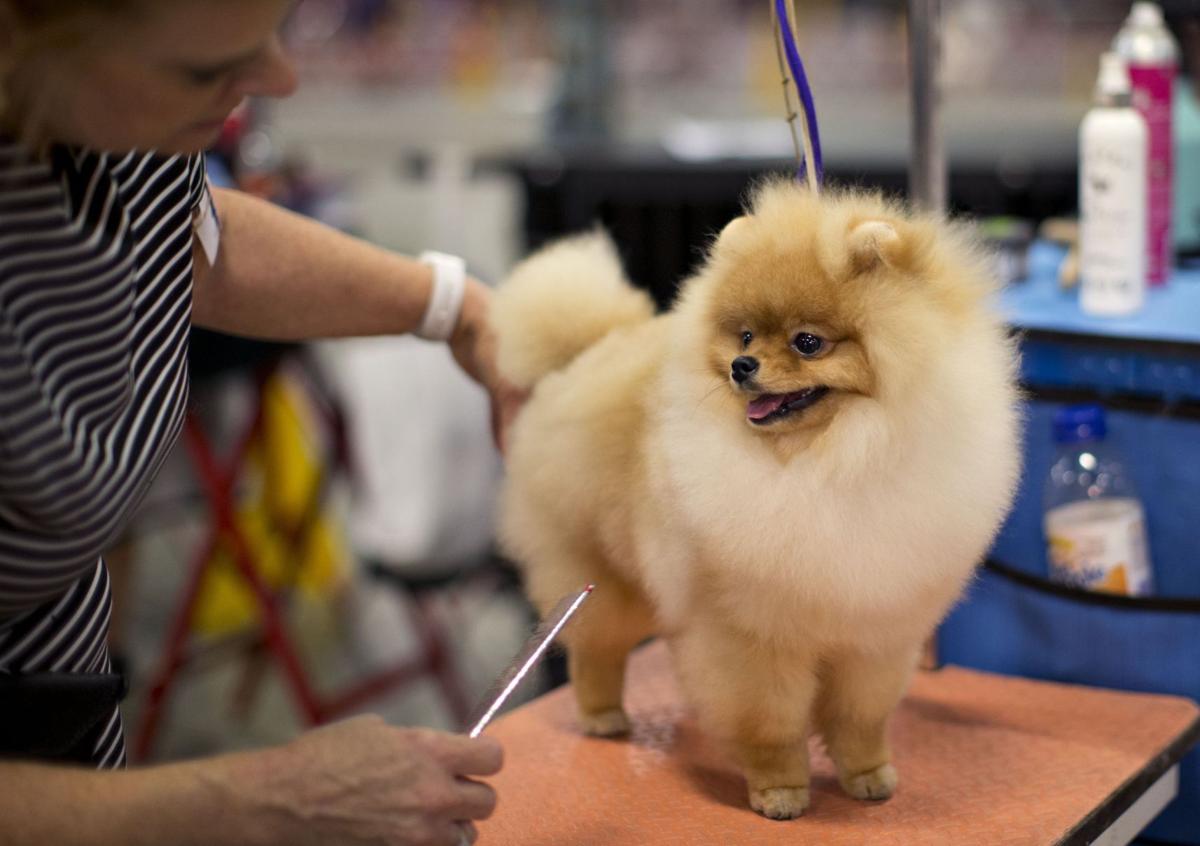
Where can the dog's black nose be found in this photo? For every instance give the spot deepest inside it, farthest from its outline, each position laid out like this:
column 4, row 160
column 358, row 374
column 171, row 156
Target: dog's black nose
column 744, row 366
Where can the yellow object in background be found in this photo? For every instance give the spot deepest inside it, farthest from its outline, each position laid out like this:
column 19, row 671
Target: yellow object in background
column 286, row 468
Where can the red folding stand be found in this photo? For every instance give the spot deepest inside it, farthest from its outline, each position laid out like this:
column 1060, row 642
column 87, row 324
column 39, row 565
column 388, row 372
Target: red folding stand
column 269, row 638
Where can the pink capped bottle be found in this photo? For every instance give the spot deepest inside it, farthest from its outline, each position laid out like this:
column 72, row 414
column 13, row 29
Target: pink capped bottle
column 1152, row 57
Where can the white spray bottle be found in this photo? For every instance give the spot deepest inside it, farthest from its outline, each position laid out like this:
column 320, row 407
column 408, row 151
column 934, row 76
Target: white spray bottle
column 1112, row 197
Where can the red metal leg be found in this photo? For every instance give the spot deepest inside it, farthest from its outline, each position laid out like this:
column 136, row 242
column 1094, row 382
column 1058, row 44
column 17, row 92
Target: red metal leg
column 225, row 515
column 436, row 654
column 172, row 658
column 181, row 623
column 439, row 647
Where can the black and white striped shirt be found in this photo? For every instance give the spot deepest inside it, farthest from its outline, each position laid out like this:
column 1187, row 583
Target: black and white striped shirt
column 95, row 305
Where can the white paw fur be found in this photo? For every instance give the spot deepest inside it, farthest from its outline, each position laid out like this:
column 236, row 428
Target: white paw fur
column 612, row 723
column 780, row 803
column 879, row 783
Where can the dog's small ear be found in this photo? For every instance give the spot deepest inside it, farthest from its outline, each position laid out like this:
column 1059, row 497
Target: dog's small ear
column 875, row 242
column 730, row 233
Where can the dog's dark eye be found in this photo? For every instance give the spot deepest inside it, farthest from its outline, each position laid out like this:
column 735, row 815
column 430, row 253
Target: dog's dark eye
column 808, row 344
column 747, row 337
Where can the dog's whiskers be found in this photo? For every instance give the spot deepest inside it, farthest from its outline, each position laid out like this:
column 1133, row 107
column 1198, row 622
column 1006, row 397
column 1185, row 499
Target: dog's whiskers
column 719, row 384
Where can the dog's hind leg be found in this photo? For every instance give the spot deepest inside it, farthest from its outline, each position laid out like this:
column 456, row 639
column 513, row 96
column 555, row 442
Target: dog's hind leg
column 613, row 621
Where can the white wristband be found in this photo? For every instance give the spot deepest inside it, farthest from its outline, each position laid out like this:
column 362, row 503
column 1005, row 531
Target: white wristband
column 446, row 298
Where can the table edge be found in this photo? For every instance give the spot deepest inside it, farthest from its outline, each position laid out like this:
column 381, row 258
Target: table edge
column 1121, row 799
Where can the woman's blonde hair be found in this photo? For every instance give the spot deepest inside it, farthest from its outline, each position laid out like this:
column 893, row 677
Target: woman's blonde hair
column 37, row 28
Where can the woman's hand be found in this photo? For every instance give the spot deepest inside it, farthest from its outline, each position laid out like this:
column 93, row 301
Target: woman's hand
column 365, row 782
column 474, row 347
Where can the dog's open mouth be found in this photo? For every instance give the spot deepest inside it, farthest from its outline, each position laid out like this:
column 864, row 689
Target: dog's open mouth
column 768, row 408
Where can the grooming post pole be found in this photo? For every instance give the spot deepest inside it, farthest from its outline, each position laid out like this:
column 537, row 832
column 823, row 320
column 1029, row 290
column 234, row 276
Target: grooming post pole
column 927, row 158
column 927, row 165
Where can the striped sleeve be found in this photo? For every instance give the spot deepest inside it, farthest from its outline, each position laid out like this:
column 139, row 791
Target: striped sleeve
column 197, row 176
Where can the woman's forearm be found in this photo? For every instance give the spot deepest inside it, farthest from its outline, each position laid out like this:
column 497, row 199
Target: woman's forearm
column 356, row 783
column 202, row 802
column 281, row 276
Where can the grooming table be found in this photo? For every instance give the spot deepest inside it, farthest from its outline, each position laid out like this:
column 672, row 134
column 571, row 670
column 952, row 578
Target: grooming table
column 983, row 759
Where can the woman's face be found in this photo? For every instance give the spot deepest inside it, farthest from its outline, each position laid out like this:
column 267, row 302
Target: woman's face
column 164, row 78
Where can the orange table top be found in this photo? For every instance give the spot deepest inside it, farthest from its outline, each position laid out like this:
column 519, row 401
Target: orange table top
column 982, row 759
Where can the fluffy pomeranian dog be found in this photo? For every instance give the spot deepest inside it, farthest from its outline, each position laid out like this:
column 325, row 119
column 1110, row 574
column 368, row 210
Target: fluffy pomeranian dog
column 790, row 476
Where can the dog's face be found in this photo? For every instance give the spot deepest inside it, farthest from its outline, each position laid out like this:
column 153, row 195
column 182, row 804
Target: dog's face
column 786, row 345
column 787, row 366
column 792, row 291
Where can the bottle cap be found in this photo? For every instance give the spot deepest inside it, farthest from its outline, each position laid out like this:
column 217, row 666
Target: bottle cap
column 1145, row 15
column 1077, row 423
column 1113, row 83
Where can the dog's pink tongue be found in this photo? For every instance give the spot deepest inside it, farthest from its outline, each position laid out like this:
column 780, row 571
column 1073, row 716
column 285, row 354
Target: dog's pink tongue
column 764, row 405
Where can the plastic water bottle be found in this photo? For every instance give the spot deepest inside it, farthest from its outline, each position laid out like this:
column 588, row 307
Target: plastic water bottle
column 1152, row 56
column 1094, row 523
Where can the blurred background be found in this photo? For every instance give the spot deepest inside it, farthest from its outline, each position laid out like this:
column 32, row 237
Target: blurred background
column 543, row 114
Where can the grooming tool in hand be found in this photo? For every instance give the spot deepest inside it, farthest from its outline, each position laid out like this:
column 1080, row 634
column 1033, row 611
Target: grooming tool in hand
column 526, row 659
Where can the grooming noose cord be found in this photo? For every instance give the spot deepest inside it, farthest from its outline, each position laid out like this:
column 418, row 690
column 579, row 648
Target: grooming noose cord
column 807, row 142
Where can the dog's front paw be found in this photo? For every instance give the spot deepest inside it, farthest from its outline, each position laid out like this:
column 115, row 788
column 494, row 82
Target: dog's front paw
column 879, row 783
column 780, row 803
column 612, row 723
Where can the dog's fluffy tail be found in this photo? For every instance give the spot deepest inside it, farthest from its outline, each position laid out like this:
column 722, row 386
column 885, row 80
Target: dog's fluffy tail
column 560, row 301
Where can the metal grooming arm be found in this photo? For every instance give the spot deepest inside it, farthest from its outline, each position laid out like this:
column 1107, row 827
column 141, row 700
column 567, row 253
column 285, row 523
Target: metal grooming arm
column 927, row 162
